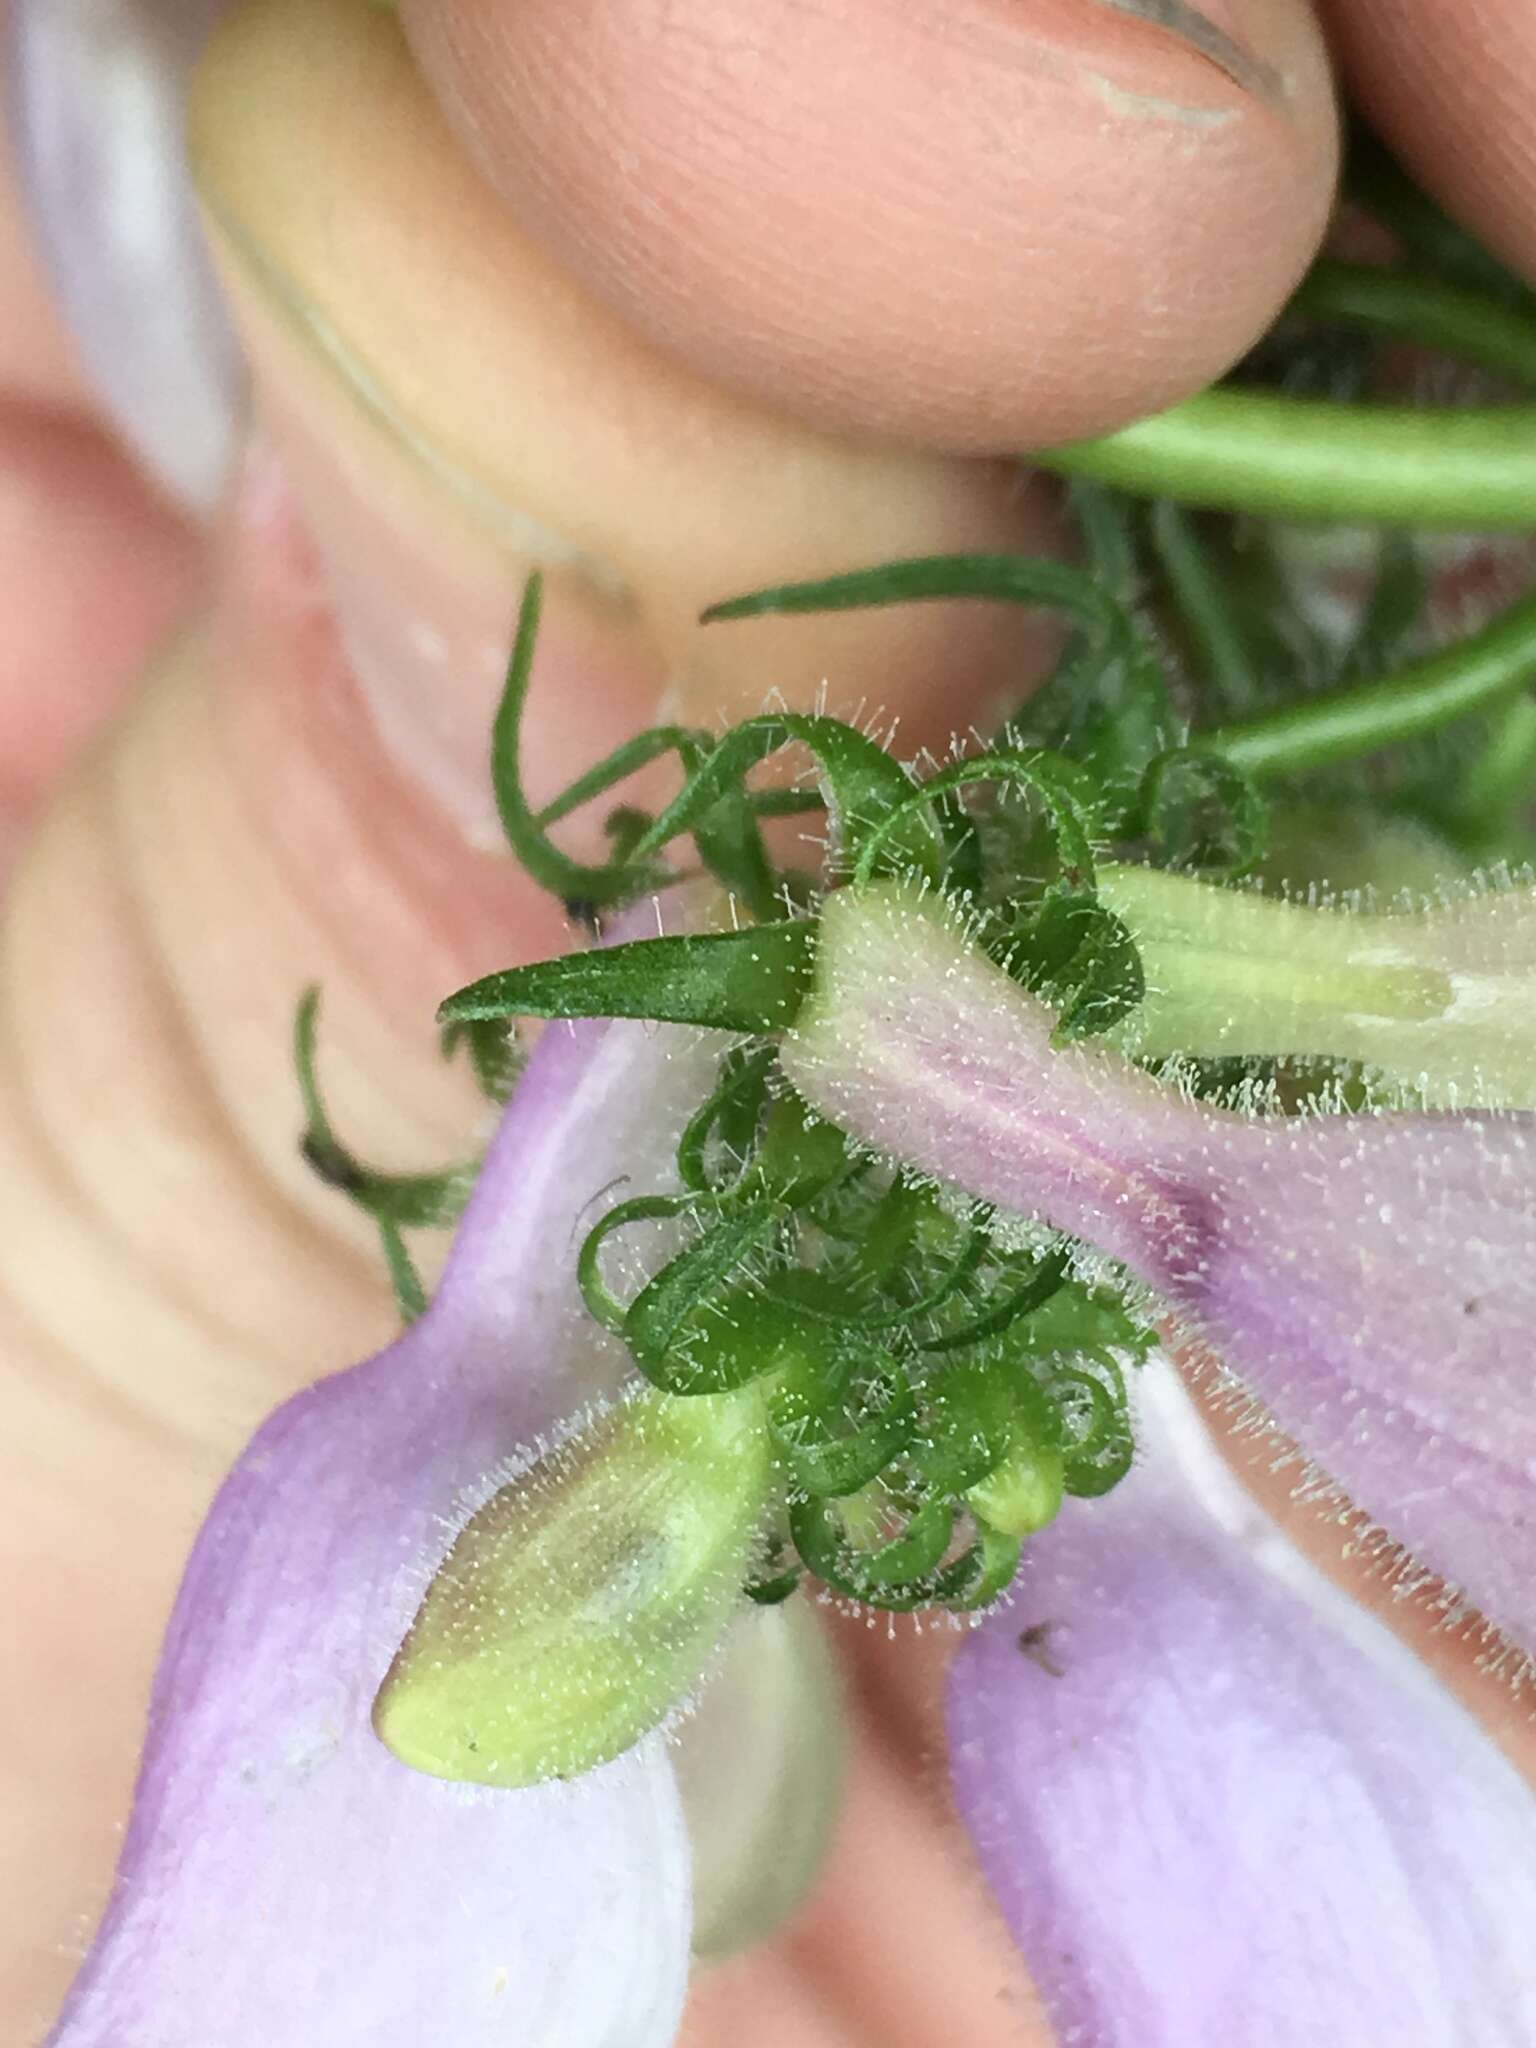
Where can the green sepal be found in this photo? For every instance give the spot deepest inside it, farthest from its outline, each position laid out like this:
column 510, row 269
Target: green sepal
column 1202, row 814
column 823, row 1463
column 586, row 1598
column 495, row 1057
column 1070, row 796
column 864, row 786
column 697, row 1327
column 751, row 981
column 406, row 1200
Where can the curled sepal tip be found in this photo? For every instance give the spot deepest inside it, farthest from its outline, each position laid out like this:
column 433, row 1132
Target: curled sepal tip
column 586, row 1598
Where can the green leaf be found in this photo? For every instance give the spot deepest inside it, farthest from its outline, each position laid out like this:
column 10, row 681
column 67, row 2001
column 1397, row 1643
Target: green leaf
column 699, row 1327
column 726, row 833
column 1107, row 979
column 753, row 980
column 1021, row 1296
column 1014, row 579
column 894, row 1574
column 603, row 1305
column 1205, row 607
column 410, row 1295
column 823, row 1462
column 729, row 1114
column 1398, row 598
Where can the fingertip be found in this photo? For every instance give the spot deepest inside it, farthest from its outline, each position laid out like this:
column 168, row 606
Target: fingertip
column 983, row 227
column 1450, row 89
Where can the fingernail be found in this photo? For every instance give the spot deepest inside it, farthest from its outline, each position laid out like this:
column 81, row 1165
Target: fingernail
column 98, row 88
column 1212, row 35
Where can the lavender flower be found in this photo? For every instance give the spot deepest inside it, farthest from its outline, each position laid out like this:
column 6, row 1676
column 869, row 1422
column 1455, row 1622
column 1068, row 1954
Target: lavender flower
column 1219, row 1802
column 1296, row 1247
column 284, row 1878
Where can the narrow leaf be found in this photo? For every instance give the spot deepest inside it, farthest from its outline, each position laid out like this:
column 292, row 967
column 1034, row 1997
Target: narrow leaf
column 753, row 980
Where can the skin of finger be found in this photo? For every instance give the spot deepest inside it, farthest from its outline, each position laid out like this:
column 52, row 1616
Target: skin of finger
column 982, row 225
column 74, row 519
column 1450, row 90
column 92, row 572
column 672, row 492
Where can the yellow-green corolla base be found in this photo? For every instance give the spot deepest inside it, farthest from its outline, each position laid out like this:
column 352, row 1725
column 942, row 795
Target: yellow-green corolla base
column 586, row 1598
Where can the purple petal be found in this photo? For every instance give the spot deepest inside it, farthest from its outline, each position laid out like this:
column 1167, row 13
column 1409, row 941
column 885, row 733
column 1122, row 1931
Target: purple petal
column 1370, row 1279
column 97, row 89
column 1218, row 1802
column 284, row 1879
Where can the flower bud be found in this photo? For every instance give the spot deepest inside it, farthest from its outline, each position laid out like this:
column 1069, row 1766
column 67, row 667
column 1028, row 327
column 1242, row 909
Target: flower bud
column 585, row 1599
column 1023, row 1494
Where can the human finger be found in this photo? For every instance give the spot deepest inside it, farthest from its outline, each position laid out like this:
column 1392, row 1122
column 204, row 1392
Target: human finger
column 983, row 226
column 1449, row 88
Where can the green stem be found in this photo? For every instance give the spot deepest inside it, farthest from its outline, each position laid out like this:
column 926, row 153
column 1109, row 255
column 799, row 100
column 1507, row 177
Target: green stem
column 1419, row 698
column 1204, row 606
column 1301, row 458
column 1376, row 182
column 1500, row 783
column 1439, row 316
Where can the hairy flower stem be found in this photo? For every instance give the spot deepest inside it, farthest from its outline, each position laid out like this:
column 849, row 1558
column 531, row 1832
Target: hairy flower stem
column 1438, row 1000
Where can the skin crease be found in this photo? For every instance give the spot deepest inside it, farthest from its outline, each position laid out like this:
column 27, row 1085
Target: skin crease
column 240, row 830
